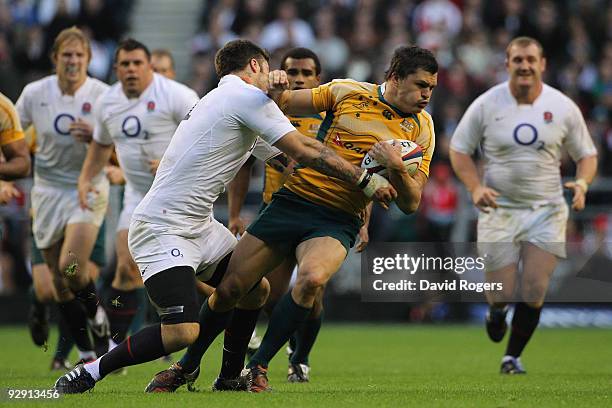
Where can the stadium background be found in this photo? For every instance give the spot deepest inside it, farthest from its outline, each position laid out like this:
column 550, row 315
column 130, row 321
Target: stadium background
column 354, row 38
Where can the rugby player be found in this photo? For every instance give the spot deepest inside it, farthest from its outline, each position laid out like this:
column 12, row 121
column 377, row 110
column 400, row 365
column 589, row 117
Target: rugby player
column 522, row 125
column 60, row 107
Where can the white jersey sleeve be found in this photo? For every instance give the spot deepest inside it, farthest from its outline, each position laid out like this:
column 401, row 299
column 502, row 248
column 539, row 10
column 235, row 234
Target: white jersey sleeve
column 101, row 134
column 469, row 131
column 578, row 141
column 259, row 113
column 263, row 151
column 183, row 99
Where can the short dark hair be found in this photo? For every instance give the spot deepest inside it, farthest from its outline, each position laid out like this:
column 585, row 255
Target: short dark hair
column 162, row 52
column 130, row 44
column 301, row 53
column 407, row 60
column 236, row 54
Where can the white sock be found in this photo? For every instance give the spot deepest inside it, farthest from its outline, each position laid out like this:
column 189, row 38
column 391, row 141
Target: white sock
column 87, row 355
column 93, row 369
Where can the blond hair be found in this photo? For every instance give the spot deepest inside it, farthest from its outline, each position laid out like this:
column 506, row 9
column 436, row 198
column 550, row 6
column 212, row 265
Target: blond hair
column 69, row 34
column 524, row 42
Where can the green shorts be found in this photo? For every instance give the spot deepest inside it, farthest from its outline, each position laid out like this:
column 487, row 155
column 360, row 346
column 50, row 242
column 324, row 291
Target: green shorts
column 290, row 219
column 98, row 254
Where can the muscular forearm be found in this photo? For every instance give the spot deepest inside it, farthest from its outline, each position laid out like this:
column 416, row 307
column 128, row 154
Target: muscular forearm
column 297, row 102
column 15, row 168
column 408, row 189
column 324, row 160
column 97, row 157
column 586, row 168
column 465, row 169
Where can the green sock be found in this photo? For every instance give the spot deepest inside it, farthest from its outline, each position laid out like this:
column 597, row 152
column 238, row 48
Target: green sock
column 64, row 339
column 286, row 318
column 211, row 325
column 306, row 335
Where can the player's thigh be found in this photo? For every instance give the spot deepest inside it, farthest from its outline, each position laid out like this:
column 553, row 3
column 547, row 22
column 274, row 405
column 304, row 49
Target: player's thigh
column 79, row 240
column 507, row 277
column 280, row 278
column 127, row 275
column 42, row 280
column 251, row 260
column 318, row 260
column 538, row 267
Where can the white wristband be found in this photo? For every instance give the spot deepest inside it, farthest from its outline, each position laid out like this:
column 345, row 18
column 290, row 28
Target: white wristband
column 374, row 184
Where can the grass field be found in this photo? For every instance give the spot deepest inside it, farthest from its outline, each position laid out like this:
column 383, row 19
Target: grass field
column 367, row 366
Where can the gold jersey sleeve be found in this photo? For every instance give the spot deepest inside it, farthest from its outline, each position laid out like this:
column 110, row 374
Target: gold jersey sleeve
column 357, row 117
column 10, row 126
column 273, row 179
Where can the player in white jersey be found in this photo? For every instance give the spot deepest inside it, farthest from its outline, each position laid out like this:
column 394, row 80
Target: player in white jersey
column 60, row 107
column 173, row 235
column 139, row 115
column 163, row 63
column 521, row 126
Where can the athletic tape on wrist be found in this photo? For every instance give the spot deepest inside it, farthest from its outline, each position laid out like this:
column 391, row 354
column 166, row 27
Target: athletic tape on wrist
column 376, row 181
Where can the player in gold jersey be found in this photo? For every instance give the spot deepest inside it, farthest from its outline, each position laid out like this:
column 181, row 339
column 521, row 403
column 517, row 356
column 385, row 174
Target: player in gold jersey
column 16, row 156
column 303, row 72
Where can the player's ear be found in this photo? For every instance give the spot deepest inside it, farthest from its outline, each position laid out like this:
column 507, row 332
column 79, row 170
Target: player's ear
column 543, row 64
column 254, row 65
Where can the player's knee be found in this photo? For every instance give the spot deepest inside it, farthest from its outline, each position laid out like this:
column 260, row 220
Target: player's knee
column 313, row 278
column 259, row 294
column 127, row 275
column 45, row 294
column 534, row 291
column 229, row 292
column 181, row 335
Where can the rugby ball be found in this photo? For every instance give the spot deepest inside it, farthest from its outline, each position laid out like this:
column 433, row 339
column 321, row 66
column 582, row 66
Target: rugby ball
column 412, row 156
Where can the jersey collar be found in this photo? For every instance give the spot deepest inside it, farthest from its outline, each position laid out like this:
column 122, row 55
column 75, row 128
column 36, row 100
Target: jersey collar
column 381, row 91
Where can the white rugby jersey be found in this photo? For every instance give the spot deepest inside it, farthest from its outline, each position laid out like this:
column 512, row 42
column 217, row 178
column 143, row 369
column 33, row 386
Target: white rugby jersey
column 206, row 152
column 521, row 144
column 59, row 156
column 141, row 128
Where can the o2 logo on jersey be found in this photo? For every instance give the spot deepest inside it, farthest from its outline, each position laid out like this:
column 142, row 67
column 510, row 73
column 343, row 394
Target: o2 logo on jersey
column 526, row 134
column 131, row 127
column 62, row 123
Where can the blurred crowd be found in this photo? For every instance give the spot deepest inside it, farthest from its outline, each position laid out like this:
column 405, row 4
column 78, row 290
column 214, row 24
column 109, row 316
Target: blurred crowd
column 28, row 28
column 355, row 38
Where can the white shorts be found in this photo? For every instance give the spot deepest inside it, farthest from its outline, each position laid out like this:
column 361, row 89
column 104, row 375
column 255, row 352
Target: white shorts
column 131, row 199
column 155, row 248
column 501, row 231
column 53, row 208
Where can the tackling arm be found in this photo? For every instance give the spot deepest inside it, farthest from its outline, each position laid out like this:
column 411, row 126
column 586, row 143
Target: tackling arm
column 311, row 153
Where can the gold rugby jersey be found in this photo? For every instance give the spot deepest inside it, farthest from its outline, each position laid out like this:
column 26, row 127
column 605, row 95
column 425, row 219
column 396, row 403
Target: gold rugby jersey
column 357, row 117
column 10, row 126
column 273, row 179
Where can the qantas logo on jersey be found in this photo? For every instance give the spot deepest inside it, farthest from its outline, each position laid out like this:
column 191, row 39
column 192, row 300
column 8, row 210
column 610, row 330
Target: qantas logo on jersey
column 347, row 145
